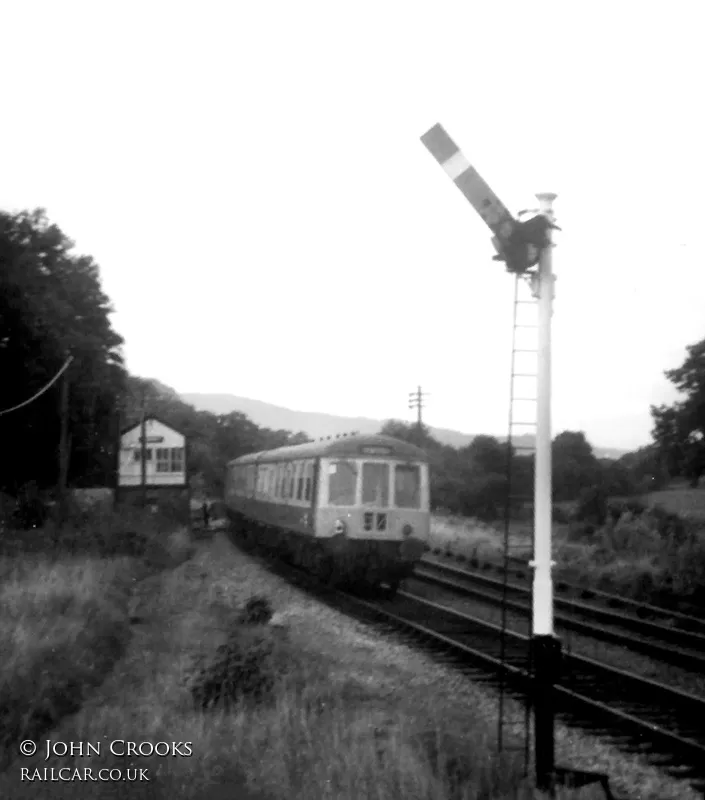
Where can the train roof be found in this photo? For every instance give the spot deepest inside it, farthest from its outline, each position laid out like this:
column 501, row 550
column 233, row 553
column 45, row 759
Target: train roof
column 343, row 447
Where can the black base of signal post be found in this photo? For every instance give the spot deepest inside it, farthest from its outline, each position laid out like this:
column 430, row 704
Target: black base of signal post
column 546, row 657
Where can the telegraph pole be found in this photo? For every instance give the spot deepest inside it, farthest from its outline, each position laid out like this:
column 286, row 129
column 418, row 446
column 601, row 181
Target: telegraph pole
column 546, row 646
column 64, row 446
column 416, row 400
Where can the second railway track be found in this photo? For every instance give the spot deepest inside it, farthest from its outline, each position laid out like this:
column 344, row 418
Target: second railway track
column 672, row 645
column 639, row 715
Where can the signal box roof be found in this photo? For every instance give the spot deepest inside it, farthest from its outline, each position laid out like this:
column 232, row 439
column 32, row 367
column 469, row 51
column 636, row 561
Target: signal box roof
column 343, row 447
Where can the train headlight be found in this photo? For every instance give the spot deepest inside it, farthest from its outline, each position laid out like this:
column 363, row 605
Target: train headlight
column 407, row 530
column 340, row 527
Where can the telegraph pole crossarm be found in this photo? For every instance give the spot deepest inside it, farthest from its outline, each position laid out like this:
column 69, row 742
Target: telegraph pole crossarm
column 525, row 247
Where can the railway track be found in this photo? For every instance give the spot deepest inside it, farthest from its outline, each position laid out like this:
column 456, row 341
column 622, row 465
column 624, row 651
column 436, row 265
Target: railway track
column 658, row 640
column 638, row 715
column 519, row 570
column 664, row 725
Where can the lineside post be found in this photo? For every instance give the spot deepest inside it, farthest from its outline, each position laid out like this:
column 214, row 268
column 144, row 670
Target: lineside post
column 545, row 645
column 143, row 449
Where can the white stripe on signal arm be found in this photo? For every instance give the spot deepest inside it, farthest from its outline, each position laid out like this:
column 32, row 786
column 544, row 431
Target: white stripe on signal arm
column 456, row 165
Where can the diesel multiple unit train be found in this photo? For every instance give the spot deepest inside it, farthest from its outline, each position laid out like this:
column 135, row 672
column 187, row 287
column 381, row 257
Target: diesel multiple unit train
column 350, row 510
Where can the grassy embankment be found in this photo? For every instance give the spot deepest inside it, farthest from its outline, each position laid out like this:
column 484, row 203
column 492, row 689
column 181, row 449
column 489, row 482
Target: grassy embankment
column 333, row 719
column 65, row 595
column 644, row 555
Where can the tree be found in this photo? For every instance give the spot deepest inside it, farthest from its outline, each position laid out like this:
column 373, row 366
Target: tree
column 646, row 468
column 409, row 432
column 575, row 466
column 52, row 306
column 679, row 429
column 487, row 455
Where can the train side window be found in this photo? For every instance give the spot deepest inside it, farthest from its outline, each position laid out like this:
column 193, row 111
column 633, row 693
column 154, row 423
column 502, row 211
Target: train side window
column 300, row 481
column 308, row 481
column 285, row 481
column 292, row 481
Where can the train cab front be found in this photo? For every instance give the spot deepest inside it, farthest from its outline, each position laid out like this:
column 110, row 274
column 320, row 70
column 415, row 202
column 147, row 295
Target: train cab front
column 377, row 513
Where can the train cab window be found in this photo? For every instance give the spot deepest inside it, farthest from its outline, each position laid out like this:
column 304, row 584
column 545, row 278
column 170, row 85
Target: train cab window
column 342, row 483
column 407, row 486
column 375, row 484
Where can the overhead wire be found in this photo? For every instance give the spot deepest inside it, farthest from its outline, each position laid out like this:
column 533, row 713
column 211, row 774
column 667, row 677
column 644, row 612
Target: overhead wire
column 42, row 390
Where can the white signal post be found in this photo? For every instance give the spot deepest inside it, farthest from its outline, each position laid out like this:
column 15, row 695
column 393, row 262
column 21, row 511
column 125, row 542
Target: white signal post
column 546, row 646
column 543, row 584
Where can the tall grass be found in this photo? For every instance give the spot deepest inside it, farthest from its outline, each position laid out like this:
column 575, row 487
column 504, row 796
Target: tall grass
column 65, row 594
column 641, row 550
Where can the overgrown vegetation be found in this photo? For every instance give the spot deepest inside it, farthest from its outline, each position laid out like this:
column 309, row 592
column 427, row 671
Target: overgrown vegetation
column 624, row 545
column 282, row 711
column 65, row 593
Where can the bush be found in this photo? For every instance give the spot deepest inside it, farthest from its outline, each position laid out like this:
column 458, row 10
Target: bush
column 244, row 669
column 633, row 534
column 561, row 515
column 592, row 505
column 670, row 526
column 258, row 611
column 615, row 508
column 30, row 512
column 581, row 531
column 484, row 497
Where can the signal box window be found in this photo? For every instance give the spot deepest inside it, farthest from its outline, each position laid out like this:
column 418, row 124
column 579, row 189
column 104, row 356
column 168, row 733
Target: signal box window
column 177, row 459
column 342, row 482
column 407, row 487
column 375, row 484
column 162, row 459
column 147, row 454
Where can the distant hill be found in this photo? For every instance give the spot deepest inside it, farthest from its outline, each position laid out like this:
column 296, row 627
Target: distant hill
column 317, row 424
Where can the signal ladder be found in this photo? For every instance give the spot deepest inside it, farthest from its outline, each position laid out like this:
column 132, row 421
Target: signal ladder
column 522, row 427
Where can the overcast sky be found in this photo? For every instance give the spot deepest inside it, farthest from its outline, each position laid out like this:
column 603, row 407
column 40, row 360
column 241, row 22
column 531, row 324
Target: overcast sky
column 250, row 178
